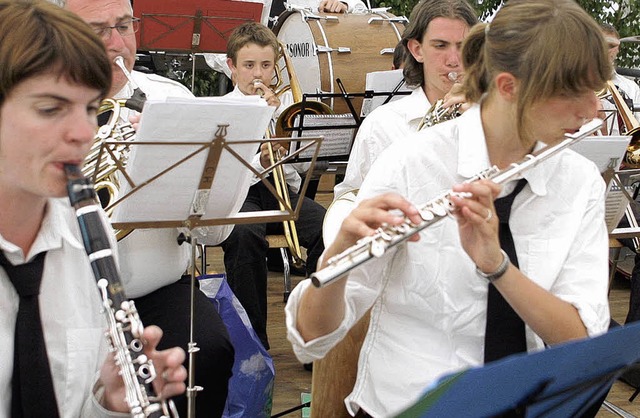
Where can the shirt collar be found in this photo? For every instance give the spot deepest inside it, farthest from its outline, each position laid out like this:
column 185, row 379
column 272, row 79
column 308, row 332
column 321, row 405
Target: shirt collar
column 417, row 104
column 473, row 156
column 57, row 226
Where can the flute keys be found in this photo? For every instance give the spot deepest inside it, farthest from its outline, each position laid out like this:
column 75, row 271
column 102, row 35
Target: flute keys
column 426, row 214
column 439, row 210
column 377, row 249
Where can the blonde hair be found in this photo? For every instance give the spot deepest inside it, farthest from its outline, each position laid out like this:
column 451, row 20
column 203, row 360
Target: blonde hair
column 553, row 47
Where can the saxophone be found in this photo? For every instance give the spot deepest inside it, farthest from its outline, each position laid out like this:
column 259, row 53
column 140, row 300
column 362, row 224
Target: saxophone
column 433, row 211
column 124, row 325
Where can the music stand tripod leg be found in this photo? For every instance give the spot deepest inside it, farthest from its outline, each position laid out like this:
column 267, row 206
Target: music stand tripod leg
column 287, row 274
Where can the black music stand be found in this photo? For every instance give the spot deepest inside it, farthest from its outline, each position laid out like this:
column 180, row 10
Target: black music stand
column 562, row 381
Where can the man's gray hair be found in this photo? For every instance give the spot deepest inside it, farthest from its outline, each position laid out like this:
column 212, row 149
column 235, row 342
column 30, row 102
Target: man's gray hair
column 63, row 3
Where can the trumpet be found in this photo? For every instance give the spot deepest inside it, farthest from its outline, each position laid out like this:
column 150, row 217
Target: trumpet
column 433, row 211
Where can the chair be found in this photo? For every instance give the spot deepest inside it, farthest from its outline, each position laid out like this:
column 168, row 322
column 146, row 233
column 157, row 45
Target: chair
column 334, row 375
column 275, row 241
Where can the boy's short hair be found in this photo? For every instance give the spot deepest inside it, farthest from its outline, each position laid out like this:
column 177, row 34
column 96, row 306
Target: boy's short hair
column 251, row 33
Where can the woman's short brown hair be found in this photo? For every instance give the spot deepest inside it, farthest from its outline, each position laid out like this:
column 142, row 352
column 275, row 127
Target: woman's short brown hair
column 37, row 37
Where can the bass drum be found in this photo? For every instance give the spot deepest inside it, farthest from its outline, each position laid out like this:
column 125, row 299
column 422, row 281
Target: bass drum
column 327, row 46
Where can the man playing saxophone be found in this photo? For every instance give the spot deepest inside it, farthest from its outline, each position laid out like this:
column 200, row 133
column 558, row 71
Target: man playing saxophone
column 432, row 65
column 53, row 76
column 500, row 276
column 152, row 262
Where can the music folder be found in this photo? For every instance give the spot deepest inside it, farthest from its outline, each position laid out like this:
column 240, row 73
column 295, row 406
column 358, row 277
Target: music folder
column 561, row 381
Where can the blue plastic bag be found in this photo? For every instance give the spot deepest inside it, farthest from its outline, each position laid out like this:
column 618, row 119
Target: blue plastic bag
column 251, row 386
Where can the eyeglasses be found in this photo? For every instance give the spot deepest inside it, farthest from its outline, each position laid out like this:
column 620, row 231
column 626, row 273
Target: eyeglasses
column 125, row 28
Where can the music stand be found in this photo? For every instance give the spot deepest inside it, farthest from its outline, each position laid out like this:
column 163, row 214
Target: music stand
column 205, row 167
column 199, row 154
column 192, row 26
column 381, row 87
column 561, row 381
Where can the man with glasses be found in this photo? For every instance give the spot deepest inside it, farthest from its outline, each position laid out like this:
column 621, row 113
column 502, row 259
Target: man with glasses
column 152, row 263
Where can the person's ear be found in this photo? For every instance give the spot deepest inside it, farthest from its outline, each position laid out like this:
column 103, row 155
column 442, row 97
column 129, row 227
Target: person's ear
column 507, row 86
column 231, row 66
column 415, row 48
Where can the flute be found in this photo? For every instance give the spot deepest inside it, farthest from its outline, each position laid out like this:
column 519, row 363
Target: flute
column 435, row 210
column 124, row 327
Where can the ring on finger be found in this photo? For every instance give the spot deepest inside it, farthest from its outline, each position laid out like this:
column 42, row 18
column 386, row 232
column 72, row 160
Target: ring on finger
column 489, row 215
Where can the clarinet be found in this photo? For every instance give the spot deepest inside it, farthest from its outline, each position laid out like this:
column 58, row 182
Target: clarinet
column 124, row 326
column 435, row 210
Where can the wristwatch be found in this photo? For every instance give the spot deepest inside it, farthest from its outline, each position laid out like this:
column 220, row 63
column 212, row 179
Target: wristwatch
column 500, row 271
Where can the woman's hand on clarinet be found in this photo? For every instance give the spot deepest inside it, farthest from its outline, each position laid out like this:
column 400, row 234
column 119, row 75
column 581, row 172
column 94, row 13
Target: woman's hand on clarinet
column 478, row 222
column 170, row 372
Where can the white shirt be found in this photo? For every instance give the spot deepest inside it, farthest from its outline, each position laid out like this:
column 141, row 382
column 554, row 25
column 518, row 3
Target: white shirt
column 429, row 305
column 386, row 124
column 70, row 308
column 630, row 87
column 151, row 258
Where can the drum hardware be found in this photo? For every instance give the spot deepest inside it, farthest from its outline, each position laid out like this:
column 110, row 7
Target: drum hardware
column 306, row 37
column 340, row 49
column 387, row 51
column 311, row 16
column 398, row 19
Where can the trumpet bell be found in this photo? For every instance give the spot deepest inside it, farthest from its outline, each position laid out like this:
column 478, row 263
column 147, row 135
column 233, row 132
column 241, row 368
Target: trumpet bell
column 632, row 157
column 287, row 119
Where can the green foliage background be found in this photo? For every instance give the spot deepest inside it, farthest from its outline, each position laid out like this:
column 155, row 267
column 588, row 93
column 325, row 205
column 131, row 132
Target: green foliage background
column 623, row 14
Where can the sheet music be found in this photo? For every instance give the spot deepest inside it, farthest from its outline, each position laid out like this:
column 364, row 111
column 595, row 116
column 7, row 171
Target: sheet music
column 337, row 141
column 171, row 197
column 616, row 202
column 605, row 151
column 382, row 81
